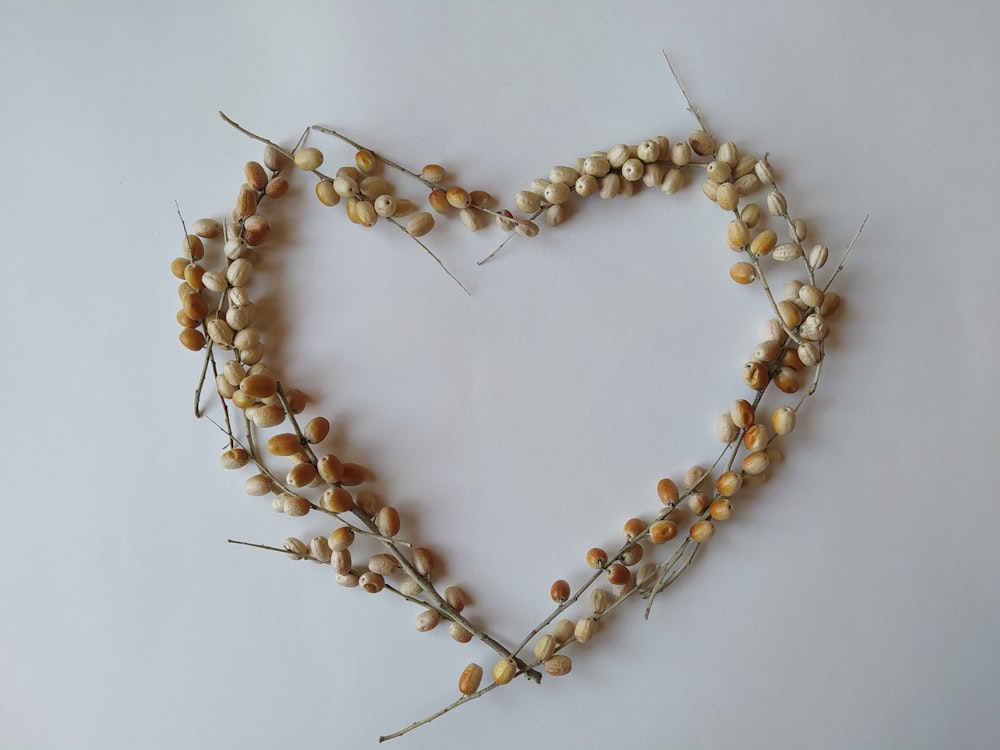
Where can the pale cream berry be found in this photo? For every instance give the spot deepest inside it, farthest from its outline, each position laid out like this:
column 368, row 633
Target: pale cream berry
column 598, row 600
column 818, row 256
column 764, row 242
column 258, row 485
column 545, row 647
column 632, row 170
column 564, row 175
column 296, row 548
column 648, row 151
column 809, row 354
column 556, row 193
column 562, row 631
column 433, row 173
column 728, row 197
column 711, row 189
column 726, row 429
column 420, row 224
column 718, row 171
column 585, row 629
column 618, row 155
column 235, row 458
column 207, row 228
column 320, row 549
column 308, row 159
column 455, row 598
column 610, row 185
column 776, row 204
column 672, row 182
column 340, row 561
column 764, row 172
column 680, row 154
column 585, row 185
column 756, row 437
column 427, row 620
column 527, row 228
column 458, row 633
column 783, row 420
column 787, row 251
column 504, row 671
column 527, row 201
column 755, row 463
column 697, row 503
column 596, row 166
column 384, row 564
column 694, row 476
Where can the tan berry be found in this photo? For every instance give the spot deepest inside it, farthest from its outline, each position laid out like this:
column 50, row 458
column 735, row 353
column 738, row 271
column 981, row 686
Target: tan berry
column 371, row 582
column 633, row 527
column 337, row 500
column 387, row 521
column 662, row 531
column 721, row 509
column 667, row 490
column 316, row 430
column 283, row 444
column 729, row 483
column 558, row 665
column 433, row 173
column 597, row 558
column 354, row 474
column 458, row 633
column 702, row 531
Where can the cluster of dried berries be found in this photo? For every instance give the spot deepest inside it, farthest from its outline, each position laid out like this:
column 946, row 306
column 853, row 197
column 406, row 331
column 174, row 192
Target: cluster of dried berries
column 217, row 315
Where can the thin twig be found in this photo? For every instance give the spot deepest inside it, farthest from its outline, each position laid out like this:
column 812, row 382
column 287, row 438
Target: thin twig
column 690, row 107
column 846, row 253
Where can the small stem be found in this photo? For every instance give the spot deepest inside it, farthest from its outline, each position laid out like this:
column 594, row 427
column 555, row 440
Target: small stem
column 430, row 253
column 690, row 107
column 846, row 253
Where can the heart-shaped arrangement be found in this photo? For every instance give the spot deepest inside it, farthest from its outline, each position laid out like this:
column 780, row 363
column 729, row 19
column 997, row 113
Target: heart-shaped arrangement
column 217, row 317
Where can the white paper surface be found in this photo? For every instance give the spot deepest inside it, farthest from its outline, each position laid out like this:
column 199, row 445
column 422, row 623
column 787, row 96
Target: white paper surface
column 851, row 602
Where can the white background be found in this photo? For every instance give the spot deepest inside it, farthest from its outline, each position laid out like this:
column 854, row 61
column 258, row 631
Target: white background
column 852, row 602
